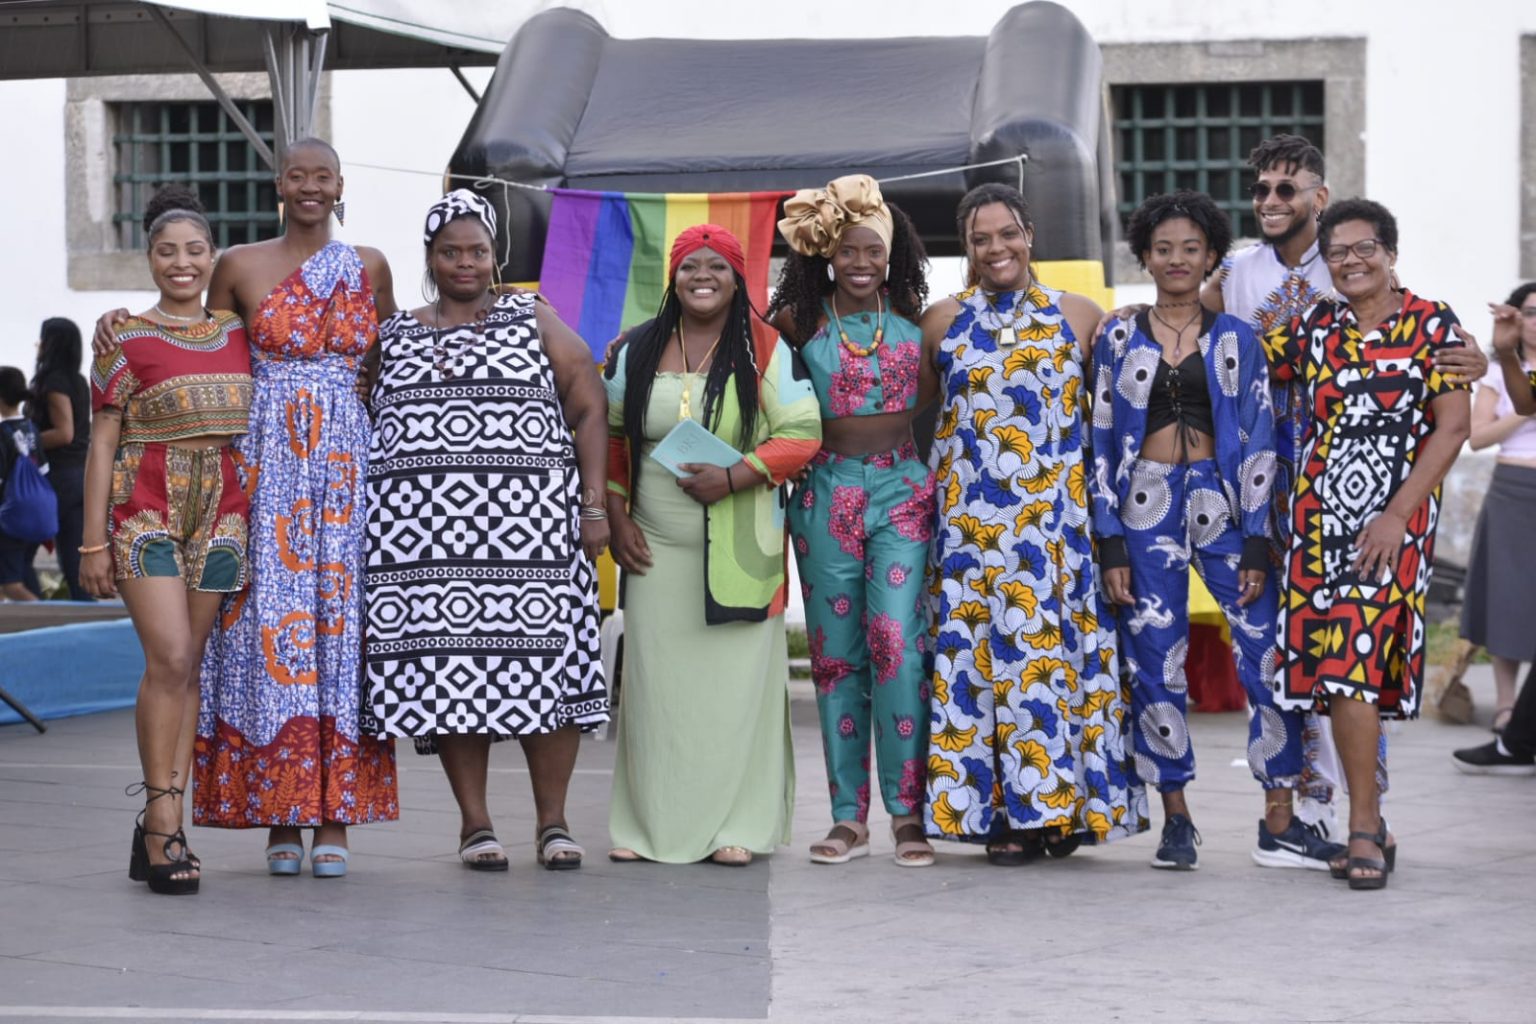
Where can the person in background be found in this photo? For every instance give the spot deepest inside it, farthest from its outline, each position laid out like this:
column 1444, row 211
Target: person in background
column 61, row 411
column 848, row 300
column 18, row 440
column 1386, row 426
column 703, row 767
column 1501, row 574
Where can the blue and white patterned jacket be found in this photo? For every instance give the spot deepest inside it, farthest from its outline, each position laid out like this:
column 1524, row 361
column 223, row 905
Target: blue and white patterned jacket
column 1125, row 360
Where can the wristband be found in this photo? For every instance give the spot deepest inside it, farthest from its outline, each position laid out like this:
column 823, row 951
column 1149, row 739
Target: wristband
column 730, row 481
column 95, row 550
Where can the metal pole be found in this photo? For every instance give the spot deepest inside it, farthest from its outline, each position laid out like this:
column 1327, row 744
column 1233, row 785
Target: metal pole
column 245, row 126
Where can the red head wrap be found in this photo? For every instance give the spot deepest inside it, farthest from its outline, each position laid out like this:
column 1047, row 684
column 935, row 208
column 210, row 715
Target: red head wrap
column 707, row 236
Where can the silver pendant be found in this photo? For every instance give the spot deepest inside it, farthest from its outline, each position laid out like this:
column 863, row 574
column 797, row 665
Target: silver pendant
column 1006, row 337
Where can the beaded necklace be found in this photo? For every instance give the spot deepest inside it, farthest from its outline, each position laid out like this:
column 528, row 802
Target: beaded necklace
column 842, row 335
column 447, row 362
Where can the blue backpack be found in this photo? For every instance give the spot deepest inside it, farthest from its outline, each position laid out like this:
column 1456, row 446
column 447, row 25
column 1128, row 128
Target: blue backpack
column 29, row 510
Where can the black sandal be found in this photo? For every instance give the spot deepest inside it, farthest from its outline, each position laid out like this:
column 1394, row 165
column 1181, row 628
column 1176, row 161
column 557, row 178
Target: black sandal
column 1059, row 846
column 1028, row 849
column 161, row 877
column 1338, row 867
column 1378, row 865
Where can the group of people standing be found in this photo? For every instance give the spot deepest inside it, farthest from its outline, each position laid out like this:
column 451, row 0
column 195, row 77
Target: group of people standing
column 386, row 521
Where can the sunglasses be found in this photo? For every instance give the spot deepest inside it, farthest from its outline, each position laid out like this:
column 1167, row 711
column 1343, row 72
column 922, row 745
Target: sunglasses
column 1286, row 190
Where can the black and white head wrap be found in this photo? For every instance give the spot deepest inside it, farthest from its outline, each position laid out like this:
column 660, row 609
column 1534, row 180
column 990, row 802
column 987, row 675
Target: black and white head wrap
column 461, row 202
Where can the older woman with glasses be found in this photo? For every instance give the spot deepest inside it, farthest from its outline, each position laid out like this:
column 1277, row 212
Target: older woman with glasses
column 1386, row 427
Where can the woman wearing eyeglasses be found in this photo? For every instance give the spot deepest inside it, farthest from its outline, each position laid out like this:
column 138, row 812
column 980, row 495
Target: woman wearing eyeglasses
column 1184, row 460
column 1386, row 427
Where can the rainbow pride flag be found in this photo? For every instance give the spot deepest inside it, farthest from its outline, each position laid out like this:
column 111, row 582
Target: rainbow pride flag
column 605, row 256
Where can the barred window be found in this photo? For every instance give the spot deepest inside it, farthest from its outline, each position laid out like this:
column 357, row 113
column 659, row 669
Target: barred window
column 196, row 144
column 1199, row 136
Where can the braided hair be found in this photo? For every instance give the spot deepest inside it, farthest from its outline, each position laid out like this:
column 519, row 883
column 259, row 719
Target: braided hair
column 171, row 203
column 804, row 282
column 1287, row 153
column 734, row 357
column 975, row 199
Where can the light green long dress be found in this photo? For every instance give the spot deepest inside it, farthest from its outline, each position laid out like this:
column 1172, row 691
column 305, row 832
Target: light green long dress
column 703, row 737
column 704, row 758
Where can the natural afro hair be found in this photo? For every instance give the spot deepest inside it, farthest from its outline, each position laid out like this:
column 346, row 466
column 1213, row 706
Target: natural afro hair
column 1196, row 207
column 1373, row 213
column 170, row 203
column 804, row 281
column 1287, row 153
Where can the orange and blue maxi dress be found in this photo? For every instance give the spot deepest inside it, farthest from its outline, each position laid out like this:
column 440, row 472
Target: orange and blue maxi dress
column 278, row 737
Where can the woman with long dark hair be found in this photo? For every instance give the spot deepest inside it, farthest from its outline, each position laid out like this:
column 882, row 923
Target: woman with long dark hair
column 848, row 300
column 61, row 411
column 703, row 765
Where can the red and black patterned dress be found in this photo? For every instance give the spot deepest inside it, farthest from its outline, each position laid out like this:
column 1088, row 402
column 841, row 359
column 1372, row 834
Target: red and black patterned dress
column 1370, row 396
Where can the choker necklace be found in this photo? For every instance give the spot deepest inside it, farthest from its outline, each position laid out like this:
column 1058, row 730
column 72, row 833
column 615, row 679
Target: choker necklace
column 685, row 406
column 181, row 319
column 1176, row 305
column 842, row 335
column 445, row 362
column 1007, row 335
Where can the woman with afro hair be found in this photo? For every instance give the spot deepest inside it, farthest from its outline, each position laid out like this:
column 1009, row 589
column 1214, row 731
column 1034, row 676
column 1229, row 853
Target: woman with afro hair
column 1183, row 436
column 849, row 298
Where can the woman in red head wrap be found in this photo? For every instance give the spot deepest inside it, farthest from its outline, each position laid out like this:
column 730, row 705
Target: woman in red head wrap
column 703, row 765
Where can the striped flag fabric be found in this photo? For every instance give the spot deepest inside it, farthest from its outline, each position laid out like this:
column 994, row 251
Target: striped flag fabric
column 605, row 254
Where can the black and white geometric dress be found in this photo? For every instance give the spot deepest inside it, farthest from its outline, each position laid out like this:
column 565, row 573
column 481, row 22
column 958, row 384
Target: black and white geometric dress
column 482, row 609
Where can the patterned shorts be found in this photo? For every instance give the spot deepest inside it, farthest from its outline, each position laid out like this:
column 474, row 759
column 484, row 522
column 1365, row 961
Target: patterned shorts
column 179, row 512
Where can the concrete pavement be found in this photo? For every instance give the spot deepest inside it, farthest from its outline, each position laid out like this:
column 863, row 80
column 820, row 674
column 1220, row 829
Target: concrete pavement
column 412, row 936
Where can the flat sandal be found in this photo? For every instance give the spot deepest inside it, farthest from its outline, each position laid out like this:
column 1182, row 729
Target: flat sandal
column 846, row 840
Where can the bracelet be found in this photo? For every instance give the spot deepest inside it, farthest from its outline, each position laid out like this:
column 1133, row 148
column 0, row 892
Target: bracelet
column 596, row 513
column 95, row 550
column 730, row 481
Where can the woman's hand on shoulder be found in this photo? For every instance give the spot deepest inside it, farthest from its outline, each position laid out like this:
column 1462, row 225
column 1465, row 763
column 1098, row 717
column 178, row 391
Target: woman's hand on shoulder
column 105, row 338
column 1464, row 363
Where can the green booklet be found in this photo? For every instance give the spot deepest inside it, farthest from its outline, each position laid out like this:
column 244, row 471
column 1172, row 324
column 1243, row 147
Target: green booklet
column 691, row 441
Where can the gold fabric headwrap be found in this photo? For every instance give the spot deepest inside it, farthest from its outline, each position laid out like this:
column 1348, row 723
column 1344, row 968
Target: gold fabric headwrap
column 815, row 218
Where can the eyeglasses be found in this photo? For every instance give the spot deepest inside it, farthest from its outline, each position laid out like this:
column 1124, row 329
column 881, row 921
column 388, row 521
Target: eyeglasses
column 1285, row 190
column 1365, row 249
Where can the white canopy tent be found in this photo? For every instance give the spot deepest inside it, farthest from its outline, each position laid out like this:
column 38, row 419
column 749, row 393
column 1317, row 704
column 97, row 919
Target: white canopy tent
column 292, row 40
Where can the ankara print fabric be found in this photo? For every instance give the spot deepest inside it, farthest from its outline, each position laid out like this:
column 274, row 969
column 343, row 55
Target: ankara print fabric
column 482, row 608
column 1370, row 394
column 278, row 737
column 1028, row 718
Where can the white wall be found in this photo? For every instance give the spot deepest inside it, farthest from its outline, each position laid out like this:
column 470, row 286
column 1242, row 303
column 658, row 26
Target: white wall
column 1441, row 145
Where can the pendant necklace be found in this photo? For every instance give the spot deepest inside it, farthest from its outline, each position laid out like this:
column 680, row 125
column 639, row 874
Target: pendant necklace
column 1178, row 332
column 685, row 407
column 842, row 335
column 1007, row 335
column 447, row 362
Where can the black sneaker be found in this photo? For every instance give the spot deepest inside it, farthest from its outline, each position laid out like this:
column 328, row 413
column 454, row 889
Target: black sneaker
column 1298, row 845
column 1177, row 850
column 1488, row 759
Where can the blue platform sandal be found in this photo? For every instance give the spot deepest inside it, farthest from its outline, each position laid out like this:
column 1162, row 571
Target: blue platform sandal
column 329, row 868
column 279, row 865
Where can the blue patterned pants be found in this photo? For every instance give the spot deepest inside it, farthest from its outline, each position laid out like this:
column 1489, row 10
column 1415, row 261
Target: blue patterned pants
column 1176, row 516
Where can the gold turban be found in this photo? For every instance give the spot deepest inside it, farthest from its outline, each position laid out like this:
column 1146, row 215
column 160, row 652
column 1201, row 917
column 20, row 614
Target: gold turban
column 815, row 218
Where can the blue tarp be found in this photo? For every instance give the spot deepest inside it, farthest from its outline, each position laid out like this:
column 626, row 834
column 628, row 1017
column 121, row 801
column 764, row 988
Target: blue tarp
column 79, row 669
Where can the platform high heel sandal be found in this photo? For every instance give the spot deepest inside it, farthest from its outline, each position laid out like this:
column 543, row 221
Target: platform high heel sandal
column 160, row 877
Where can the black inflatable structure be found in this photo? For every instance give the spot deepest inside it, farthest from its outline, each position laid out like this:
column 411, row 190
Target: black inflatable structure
column 570, row 106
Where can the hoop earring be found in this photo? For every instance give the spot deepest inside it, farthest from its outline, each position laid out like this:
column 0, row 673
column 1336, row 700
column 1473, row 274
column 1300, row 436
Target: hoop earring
column 428, row 285
column 339, row 208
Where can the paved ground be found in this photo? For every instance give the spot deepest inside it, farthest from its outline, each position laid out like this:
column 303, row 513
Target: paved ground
column 411, row 936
